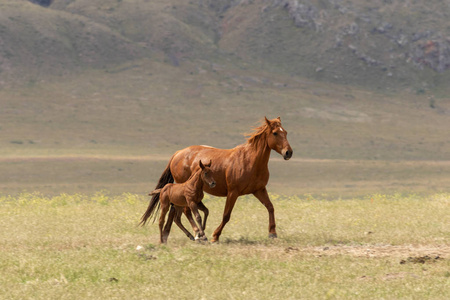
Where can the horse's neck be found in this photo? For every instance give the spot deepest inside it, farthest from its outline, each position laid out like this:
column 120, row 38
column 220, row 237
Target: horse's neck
column 258, row 154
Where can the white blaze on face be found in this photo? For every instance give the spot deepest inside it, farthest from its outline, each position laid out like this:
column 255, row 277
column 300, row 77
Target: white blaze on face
column 281, row 129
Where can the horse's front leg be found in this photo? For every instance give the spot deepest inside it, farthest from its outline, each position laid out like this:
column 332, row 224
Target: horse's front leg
column 263, row 197
column 229, row 205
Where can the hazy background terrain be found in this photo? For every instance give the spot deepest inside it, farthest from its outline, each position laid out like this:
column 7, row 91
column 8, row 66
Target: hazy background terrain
column 99, row 94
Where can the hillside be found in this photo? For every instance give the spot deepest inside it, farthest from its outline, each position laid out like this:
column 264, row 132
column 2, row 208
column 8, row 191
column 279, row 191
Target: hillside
column 101, row 93
column 152, row 107
column 376, row 44
column 98, row 75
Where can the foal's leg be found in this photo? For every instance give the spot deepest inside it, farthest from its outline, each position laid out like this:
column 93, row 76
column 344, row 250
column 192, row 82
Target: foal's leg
column 188, row 213
column 193, row 207
column 164, row 209
column 169, row 221
column 205, row 210
column 179, row 212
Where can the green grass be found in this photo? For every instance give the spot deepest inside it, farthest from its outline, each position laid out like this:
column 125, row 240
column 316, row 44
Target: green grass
column 78, row 246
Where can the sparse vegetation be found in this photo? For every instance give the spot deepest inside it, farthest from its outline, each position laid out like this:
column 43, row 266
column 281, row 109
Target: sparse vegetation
column 77, row 246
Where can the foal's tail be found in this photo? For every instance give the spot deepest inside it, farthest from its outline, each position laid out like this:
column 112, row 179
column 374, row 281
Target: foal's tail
column 155, row 192
column 154, row 204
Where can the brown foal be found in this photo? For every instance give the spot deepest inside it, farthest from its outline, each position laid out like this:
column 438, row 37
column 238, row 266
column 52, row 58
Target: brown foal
column 187, row 194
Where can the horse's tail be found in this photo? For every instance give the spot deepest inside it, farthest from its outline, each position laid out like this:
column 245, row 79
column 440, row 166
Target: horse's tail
column 154, row 204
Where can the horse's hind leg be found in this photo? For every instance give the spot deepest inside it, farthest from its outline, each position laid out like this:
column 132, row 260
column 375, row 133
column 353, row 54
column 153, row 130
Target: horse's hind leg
column 179, row 212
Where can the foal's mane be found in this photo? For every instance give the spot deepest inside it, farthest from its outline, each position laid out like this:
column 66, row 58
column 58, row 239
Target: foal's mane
column 195, row 173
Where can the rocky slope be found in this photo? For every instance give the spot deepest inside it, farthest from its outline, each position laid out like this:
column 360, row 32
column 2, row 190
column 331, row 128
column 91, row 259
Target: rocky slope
column 377, row 44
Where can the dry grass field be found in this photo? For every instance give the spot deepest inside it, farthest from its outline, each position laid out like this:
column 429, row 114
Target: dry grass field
column 78, row 247
column 362, row 208
column 95, row 97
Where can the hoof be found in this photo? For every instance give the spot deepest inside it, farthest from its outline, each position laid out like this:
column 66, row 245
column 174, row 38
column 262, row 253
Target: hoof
column 201, row 238
column 191, row 238
column 273, row 236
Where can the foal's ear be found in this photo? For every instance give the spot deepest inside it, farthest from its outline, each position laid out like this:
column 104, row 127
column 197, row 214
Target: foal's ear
column 209, row 165
column 267, row 121
column 279, row 119
column 201, row 165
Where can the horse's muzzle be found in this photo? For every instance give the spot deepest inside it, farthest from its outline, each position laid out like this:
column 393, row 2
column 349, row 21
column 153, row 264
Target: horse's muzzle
column 212, row 185
column 287, row 154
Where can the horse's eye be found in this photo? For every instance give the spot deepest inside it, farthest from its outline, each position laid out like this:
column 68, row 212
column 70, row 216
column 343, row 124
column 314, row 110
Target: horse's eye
column 275, row 133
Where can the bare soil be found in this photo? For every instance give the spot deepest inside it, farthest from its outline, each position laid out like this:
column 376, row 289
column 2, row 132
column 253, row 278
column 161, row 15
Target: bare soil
column 403, row 251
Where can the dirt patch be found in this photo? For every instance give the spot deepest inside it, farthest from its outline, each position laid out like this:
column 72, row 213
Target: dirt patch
column 411, row 252
column 391, row 276
column 420, row 259
column 406, row 253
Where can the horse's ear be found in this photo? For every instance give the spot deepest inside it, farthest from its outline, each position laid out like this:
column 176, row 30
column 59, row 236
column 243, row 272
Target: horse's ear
column 267, row 122
column 209, row 165
column 201, row 165
column 279, row 119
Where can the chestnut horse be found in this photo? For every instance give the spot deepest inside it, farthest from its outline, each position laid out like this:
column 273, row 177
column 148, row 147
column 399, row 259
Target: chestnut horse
column 239, row 171
column 186, row 194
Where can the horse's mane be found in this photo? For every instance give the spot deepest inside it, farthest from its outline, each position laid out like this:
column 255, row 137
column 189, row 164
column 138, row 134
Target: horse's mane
column 257, row 133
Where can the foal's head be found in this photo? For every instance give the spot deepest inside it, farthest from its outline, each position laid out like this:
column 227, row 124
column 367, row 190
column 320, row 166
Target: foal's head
column 277, row 138
column 206, row 174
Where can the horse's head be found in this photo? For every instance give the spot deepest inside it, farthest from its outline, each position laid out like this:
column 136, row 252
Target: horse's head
column 207, row 174
column 277, row 138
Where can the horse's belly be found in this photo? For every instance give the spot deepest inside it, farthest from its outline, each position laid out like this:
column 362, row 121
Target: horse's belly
column 216, row 191
column 186, row 161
